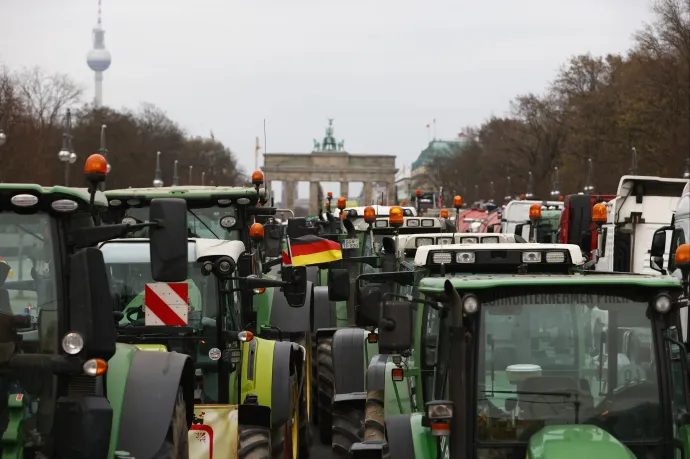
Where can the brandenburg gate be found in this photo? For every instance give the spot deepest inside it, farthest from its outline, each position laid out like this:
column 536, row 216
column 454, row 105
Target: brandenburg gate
column 329, row 162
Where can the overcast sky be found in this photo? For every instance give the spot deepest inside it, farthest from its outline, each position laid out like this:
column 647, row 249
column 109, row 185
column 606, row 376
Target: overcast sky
column 382, row 68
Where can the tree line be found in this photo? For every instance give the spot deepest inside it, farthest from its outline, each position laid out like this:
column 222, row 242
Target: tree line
column 598, row 110
column 33, row 107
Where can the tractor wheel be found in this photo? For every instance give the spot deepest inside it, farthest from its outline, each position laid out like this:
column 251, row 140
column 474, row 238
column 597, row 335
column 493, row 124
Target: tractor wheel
column 348, row 428
column 374, row 416
column 305, row 434
column 253, row 443
column 326, row 385
column 176, row 444
column 285, row 438
column 314, row 414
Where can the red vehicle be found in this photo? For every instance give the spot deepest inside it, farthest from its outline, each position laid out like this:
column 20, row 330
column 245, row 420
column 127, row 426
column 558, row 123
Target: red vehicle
column 469, row 221
column 492, row 222
column 577, row 218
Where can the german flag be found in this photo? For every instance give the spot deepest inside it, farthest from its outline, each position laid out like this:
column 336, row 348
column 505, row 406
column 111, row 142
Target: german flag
column 312, row 250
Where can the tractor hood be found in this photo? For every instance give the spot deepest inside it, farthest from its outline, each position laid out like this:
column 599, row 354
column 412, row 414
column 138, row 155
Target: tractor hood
column 576, row 442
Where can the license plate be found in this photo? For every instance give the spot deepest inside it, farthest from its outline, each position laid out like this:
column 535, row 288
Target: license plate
column 350, row 244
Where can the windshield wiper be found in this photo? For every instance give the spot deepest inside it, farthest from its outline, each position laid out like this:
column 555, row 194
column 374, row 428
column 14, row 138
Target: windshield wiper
column 29, row 232
column 203, row 223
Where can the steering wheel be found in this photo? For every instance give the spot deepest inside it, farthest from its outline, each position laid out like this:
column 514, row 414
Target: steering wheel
column 139, row 319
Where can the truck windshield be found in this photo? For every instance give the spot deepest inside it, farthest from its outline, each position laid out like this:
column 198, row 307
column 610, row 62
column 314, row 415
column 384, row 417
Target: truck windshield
column 201, row 222
column 566, row 359
column 27, row 277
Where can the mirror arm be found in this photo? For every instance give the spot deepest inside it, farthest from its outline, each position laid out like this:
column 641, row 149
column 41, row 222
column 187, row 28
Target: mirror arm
column 371, row 260
column 401, row 277
column 89, row 237
column 266, row 266
column 260, row 282
column 437, row 305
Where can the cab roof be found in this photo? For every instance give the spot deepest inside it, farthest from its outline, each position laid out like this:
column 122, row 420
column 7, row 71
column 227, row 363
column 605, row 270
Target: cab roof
column 409, row 222
column 435, row 284
column 576, row 258
column 409, row 241
column 136, row 250
column 58, row 192
column 190, row 191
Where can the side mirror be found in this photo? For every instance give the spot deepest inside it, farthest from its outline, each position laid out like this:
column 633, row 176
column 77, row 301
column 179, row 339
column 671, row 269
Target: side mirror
column 586, row 242
column 91, row 305
column 296, row 291
column 656, row 253
column 168, row 240
column 490, row 229
column 395, row 327
column 272, row 238
column 369, row 307
column 338, row 284
column 518, row 229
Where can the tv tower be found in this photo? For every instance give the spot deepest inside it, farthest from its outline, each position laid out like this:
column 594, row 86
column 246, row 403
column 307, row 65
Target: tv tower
column 98, row 58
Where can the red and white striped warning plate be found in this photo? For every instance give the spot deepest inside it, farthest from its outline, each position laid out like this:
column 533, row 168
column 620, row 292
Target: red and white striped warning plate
column 166, row 304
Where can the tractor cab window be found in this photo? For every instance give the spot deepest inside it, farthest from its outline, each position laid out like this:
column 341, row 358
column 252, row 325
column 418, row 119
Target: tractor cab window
column 28, row 278
column 571, row 358
column 201, row 222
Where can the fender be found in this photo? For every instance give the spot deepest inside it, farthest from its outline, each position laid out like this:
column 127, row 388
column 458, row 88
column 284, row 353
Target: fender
column 376, row 373
column 284, row 362
column 348, row 360
column 149, row 398
column 323, row 311
column 289, row 319
column 313, row 274
column 399, row 436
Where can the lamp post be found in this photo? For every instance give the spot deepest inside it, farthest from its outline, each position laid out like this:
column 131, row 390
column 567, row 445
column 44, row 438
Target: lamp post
column 66, row 154
column 508, row 197
column 529, row 194
column 104, row 151
column 3, row 137
column 176, row 179
column 158, row 180
column 191, row 168
column 203, row 178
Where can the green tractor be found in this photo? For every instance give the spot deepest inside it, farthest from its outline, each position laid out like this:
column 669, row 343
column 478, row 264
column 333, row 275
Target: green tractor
column 226, row 213
column 69, row 389
column 542, row 227
column 344, row 350
column 523, row 359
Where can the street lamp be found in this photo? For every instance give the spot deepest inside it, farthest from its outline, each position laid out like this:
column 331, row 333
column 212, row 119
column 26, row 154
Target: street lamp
column 191, row 169
column 66, row 154
column 203, row 178
column 3, row 138
column 158, row 180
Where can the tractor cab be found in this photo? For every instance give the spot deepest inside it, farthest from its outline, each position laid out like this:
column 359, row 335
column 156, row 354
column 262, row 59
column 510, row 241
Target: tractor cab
column 540, row 362
column 408, row 244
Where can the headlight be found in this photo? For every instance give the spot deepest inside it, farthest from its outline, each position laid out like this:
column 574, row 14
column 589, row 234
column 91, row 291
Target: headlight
column 662, row 303
column 95, row 367
column 228, row 222
column 427, row 223
column 72, row 343
column 129, row 221
column 531, row 257
column 442, row 257
column 413, row 222
column 468, row 240
column 444, row 240
column 439, row 410
column 381, row 223
column 490, row 240
column 464, row 257
column 470, row 304
column 423, row 241
column 555, row 257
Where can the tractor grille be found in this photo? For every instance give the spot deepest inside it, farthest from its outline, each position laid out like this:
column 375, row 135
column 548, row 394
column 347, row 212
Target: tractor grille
column 84, row 385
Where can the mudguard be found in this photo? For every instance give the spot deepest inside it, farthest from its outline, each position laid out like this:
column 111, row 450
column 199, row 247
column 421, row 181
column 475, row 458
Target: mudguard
column 285, row 358
column 323, row 311
column 313, row 274
column 149, row 398
column 376, row 373
column 289, row 319
column 348, row 360
column 399, row 436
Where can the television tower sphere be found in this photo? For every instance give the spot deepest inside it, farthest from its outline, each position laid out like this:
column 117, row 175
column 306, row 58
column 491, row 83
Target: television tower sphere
column 98, row 60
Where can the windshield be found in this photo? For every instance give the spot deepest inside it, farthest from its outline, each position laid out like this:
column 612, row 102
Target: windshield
column 201, row 222
column 566, row 359
column 27, row 277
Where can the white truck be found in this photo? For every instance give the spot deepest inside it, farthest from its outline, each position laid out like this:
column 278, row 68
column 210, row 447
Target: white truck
column 642, row 205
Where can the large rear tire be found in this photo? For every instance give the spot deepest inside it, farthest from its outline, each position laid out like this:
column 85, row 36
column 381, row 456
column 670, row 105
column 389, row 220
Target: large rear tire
column 285, row 438
column 305, row 434
column 348, row 428
column 326, row 387
column 254, row 443
column 176, row 444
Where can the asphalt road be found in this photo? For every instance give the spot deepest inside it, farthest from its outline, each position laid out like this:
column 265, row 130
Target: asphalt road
column 318, row 449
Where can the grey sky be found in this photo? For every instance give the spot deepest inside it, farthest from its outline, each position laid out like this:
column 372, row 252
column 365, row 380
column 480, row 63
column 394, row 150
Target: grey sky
column 382, row 68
